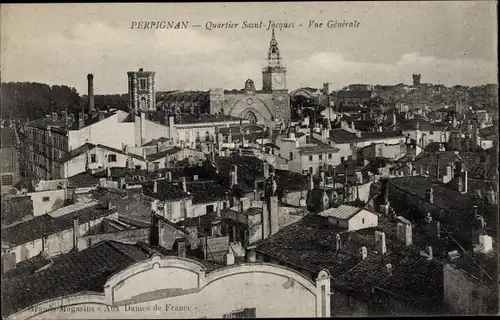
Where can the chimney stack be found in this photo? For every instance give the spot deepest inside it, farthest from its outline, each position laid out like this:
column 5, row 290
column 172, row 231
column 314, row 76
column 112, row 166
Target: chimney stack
column 155, row 187
column 235, row 177
column 229, row 258
column 429, row 252
column 380, row 242
column 76, row 233
column 273, row 211
column 364, row 252
column 388, row 268
column 338, row 242
column 311, row 182
column 266, row 170
column 429, row 195
column 404, row 233
column 181, row 248
column 464, row 179
column 184, row 185
column 90, row 80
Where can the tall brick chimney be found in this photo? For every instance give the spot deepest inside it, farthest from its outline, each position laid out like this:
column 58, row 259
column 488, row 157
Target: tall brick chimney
column 90, row 81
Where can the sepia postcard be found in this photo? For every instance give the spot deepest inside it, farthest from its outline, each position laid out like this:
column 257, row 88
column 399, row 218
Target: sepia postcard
column 249, row 160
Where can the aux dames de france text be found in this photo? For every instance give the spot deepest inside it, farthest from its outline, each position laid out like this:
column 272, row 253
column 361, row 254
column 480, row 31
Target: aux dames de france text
column 267, row 25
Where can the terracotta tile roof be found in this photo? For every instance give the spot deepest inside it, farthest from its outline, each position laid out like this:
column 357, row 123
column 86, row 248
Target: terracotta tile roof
column 46, row 225
column 86, row 270
column 416, row 278
column 309, row 244
column 159, row 155
column 166, row 190
column 207, row 191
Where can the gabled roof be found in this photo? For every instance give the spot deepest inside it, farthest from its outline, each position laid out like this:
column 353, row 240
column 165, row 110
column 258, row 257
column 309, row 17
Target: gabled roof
column 343, row 212
column 160, row 155
column 89, row 146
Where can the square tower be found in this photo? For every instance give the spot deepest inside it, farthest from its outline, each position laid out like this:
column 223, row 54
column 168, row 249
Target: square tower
column 141, row 90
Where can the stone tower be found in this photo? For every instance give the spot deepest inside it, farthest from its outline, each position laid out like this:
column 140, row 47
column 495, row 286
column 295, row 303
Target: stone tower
column 416, row 80
column 274, row 74
column 141, row 90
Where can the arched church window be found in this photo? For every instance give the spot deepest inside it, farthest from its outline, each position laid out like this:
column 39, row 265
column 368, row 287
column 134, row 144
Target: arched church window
column 250, row 116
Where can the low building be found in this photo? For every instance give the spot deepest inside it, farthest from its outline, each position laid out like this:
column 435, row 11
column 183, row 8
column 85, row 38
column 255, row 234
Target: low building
column 125, row 280
column 53, row 233
column 350, row 218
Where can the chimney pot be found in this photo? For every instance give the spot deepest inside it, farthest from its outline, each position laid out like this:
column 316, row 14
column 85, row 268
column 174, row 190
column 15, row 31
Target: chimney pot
column 364, row 252
column 388, row 269
column 155, row 187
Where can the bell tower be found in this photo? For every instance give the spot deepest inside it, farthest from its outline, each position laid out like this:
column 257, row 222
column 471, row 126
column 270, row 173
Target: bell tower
column 274, row 73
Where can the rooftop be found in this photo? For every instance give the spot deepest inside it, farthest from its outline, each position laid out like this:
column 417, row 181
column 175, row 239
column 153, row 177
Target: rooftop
column 46, row 225
column 86, row 270
column 315, row 147
column 166, row 190
column 342, row 212
column 309, row 244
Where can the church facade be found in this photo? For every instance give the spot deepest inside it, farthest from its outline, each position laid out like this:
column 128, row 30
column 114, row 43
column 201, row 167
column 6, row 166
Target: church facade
column 271, row 103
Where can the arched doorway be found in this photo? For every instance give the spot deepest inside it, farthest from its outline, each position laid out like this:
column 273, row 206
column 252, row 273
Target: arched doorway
column 249, row 115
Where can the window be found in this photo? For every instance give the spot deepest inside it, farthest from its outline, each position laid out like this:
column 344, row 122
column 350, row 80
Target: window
column 320, row 157
column 207, row 136
column 46, row 199
column 310, row 170
column 7, row 180
column 342, row 159
column 137, row 167
column 93, row 158
column 210, row 208
column 431, row 132
column 142, row 84
column 112, row 158
column 242, row 314
column 291, row 155
column 363, row 221
column 310, row 158
column 329, row 156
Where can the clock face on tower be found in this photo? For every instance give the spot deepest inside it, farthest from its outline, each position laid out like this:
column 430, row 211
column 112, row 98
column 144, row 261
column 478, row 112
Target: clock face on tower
column 278, row 79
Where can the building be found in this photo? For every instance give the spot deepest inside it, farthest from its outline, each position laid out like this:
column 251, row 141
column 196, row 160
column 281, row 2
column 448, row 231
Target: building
column 140, row 280
column 259, row 106
column 416, row 79
column 306, row 154
column 9, row 155
column 265, row 105
column 141, row 90
column 53, row 233
column 373, row 270
column 350, row 218
column 346, row 98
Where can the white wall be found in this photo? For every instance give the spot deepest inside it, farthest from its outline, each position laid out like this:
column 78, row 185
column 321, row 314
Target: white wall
column 109, row 132
column 362, row 220
column 56, row 199
column 181, row 289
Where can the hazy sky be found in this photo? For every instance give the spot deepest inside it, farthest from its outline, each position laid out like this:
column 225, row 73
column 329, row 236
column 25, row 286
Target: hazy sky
column 447, row 42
